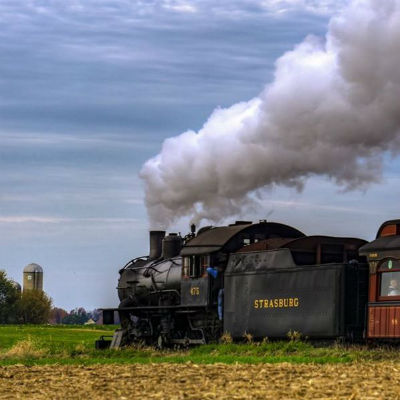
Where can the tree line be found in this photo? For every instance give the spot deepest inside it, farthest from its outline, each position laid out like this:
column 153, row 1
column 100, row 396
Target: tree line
column 35, row 307
column 77, row 316
column 29, row 307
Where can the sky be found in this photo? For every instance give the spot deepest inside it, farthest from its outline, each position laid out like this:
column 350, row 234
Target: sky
column 90, row 89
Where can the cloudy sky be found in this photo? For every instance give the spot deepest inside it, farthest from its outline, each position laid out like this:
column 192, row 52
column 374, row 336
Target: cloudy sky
column 89, row 89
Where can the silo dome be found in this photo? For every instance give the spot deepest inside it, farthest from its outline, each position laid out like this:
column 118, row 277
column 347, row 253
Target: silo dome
column 33, row 268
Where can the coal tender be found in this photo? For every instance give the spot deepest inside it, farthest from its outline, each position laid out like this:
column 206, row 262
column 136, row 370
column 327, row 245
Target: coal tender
column 265, row 279
column 316, row 286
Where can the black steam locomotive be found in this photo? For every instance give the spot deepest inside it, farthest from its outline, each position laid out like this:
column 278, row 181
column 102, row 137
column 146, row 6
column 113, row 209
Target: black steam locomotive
column 265, row 279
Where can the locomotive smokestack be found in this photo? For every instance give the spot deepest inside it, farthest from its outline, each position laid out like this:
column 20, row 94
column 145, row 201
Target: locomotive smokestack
column 156, row 238
column 193, row 229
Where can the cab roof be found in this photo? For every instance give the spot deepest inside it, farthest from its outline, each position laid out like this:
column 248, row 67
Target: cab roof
column 216, row 238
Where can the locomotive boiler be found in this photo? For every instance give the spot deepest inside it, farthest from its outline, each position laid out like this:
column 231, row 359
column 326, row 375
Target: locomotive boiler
column 153, row 280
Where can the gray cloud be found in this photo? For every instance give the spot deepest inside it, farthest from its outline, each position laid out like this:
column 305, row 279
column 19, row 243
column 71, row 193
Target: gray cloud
column 112, row 65
column 332, row 109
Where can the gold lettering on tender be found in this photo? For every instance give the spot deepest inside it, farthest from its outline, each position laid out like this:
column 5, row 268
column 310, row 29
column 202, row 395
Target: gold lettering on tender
column 271, row 304
column 285, row 302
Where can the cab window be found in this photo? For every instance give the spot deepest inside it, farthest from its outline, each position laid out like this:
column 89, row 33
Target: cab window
column 194, row 268
column 205, row 263
column 186, row 267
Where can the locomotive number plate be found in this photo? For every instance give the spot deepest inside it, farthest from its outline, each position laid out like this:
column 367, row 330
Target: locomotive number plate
column 195, row 291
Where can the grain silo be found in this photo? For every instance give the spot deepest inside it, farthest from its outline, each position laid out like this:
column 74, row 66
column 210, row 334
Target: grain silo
column 17, row 286
column 33, row 277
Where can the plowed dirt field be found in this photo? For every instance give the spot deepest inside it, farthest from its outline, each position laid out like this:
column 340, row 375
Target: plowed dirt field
column 192, row 381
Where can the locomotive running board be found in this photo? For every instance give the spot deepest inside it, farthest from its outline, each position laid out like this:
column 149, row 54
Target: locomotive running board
column 108, row 313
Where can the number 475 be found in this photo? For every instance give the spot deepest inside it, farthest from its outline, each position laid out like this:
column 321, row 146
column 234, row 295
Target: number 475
column 194, row 291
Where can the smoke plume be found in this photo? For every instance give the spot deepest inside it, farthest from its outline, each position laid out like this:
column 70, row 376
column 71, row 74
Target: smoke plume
column 333, row 109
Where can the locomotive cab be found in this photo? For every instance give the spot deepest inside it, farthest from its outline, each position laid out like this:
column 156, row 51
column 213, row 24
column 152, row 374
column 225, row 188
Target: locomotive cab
column 205, row 257
column 384, row 282
column 198, row 287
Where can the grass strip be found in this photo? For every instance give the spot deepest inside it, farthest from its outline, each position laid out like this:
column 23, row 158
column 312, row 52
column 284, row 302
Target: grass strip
column 74, row 345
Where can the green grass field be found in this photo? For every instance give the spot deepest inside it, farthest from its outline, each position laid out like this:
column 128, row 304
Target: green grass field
column 46, row 344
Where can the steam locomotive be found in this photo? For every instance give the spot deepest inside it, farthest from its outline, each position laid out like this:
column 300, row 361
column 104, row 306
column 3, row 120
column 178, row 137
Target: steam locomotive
column 265, row 279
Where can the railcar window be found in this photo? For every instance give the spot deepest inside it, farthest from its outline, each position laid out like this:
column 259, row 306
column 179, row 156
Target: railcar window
column 390, row 284
column 389, row 272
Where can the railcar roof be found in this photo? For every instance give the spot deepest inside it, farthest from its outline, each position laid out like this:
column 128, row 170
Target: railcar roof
column 386, row 223
column 385, row 243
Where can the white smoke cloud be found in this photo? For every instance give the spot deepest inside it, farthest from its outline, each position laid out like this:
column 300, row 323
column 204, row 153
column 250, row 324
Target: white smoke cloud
column 333, row 109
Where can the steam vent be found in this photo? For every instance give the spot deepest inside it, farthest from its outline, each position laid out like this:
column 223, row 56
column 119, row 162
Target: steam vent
column 33, row 277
